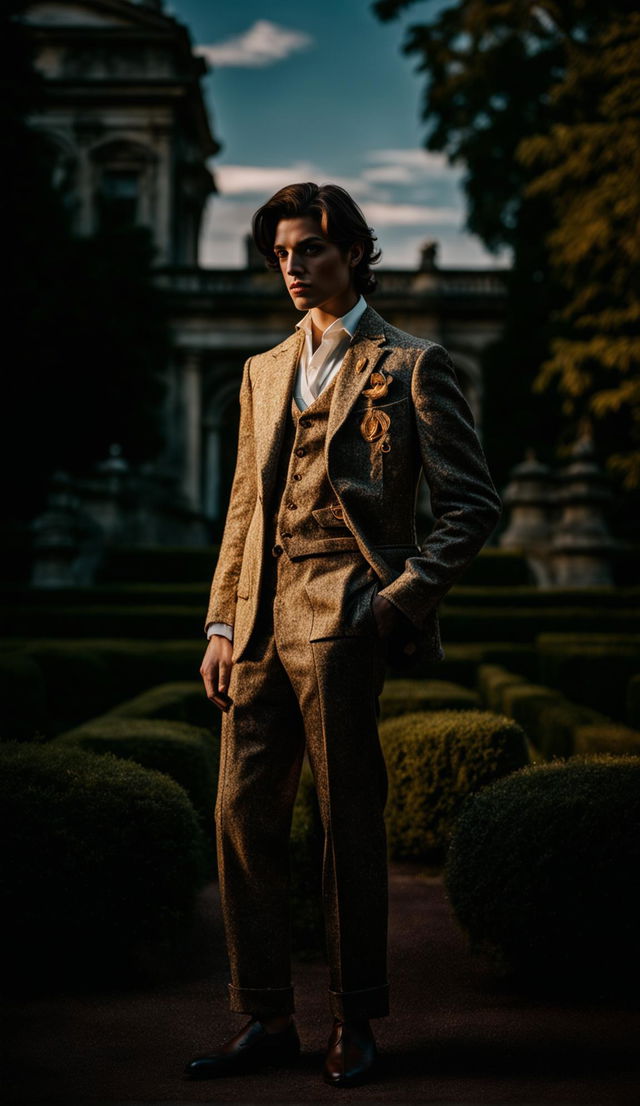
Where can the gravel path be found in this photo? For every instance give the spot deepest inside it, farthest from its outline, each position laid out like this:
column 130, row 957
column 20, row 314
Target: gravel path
column 453, row 1036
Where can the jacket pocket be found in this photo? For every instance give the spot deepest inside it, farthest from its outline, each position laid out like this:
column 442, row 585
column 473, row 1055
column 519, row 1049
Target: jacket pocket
column 330, row 518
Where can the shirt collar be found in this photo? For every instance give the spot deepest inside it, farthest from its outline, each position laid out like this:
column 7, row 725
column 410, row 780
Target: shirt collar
column 346, row 323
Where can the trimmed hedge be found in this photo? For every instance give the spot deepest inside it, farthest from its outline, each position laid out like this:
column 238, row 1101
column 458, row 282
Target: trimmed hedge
column 184, row 701
column 85, row 677
column 404, row 696
column 101, row 858
column 523, row 624
column 462, row 659
column 23, row 699
column 556, row 726
column 593, row 672
column 188, row 754
column 633, row 701
column 606, row 737
column 434, row 760
column 492, row 681
column 542, row 873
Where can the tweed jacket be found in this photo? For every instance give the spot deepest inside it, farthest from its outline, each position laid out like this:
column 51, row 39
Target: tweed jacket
column 375, row 449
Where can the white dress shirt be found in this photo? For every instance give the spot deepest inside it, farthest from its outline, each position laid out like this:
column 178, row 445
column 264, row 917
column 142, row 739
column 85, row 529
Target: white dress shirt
column 316, row 370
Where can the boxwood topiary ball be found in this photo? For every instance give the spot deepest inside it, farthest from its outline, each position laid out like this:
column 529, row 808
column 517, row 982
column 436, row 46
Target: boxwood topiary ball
column 543, row 868
column 435, row 759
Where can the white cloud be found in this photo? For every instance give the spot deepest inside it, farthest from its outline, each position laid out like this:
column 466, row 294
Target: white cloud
column 263, row 44
column 409, row 165
column 411, row 215
column 264, row 180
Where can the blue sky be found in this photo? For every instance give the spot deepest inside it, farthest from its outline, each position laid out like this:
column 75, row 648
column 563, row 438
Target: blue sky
column 322, row 92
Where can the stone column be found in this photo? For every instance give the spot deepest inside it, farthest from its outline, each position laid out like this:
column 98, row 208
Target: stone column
column 211, row 491
column 192, row 428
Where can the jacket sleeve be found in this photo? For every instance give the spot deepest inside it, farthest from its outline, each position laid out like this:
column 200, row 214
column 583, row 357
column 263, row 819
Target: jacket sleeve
column 244, row 491
column 464, row 500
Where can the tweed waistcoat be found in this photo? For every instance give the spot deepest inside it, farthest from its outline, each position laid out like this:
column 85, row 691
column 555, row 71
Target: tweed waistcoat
column 305, row 515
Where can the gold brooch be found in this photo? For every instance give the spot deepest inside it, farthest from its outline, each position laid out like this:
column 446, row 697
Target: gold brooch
column 378, row 385
column 375, row 423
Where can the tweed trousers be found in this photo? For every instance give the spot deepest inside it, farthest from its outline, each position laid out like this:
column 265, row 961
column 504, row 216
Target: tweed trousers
column 291, row 694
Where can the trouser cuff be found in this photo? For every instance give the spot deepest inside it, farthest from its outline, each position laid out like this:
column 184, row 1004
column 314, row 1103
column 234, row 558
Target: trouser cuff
column 373, row 1002
column 260, row 1000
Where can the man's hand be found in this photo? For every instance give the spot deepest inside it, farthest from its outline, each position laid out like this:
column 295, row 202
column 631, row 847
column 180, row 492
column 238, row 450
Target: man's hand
column 387, row 616
column 216, row 667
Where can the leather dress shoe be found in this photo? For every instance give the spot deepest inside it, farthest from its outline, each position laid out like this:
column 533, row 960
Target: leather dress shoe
column 251, row 1048
column 351, row 1054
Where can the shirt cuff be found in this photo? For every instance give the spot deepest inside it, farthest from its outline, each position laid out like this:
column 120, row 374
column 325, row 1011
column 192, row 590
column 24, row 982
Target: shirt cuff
column 220, row 628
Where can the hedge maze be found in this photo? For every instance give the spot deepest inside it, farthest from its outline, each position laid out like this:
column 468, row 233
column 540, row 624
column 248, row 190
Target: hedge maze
column 513, row 770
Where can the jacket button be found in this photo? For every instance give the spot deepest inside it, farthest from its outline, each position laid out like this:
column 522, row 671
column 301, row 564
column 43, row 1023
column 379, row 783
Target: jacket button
column 287, row 535
column 300, row 451
column 277, row 550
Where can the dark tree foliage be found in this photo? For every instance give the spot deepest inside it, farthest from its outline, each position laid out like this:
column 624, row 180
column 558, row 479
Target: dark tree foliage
column 85, row 331
column 491, row 71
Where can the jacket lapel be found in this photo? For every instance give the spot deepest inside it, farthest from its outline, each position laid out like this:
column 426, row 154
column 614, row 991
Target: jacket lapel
column 274, row 402
column 366, row 349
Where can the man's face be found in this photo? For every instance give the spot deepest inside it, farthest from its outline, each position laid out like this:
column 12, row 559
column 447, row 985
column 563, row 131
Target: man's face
column 314, row 270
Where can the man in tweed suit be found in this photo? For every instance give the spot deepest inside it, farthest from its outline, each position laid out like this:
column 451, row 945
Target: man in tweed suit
column 320, row 582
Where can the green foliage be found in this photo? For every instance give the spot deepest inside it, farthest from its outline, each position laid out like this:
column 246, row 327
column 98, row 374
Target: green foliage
column 592, row 672
column 175, row 702
column 404, row 696
column 188, row 754
column 588, row 168
column 101, row 858
column 23, row 698
column 493, row 679
column 633, row 701
column 541, row 873
column 538, row 102
column 434, row 760
column 84, row 677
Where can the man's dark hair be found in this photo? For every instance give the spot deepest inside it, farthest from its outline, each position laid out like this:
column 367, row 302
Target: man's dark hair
column 339, row 216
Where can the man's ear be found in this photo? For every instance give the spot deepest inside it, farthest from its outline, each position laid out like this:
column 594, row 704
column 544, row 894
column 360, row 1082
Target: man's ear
column 356, row 254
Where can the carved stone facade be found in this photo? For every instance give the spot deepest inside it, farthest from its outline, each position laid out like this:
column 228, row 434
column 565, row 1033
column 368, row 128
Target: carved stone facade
column 125, row 115
column 125, row 118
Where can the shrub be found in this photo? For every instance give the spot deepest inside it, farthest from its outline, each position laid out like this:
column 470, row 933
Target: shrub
column 101, row 857
column 404, row 696
column 492, row 680
column 542, row 872
column 591, row 669
column 524, row 702
column 23, row 699
column 84, row 677
column 434, row 761
column 633, row 701
column 558, row 722
column 606, row 737
column 189, row 755
column 76, row 680
column 176, row 702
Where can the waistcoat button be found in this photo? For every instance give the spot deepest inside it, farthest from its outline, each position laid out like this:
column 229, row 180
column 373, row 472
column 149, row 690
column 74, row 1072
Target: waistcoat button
column 277, row 550
column 292, row 506
column 300, row 451
column 304, row 422
column 297, row 476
